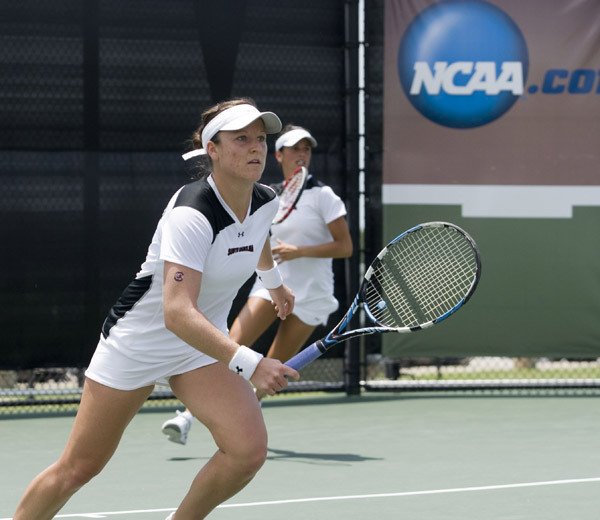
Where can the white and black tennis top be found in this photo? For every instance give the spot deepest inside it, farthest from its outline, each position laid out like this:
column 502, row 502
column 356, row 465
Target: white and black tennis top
column 197, row 230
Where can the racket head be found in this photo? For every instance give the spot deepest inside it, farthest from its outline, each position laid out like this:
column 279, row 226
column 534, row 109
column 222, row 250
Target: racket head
column 290, row 194
column 421, row 277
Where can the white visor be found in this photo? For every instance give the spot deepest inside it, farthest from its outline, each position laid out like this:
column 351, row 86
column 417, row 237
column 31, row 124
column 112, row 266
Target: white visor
column 294, row 136
column 235, row 118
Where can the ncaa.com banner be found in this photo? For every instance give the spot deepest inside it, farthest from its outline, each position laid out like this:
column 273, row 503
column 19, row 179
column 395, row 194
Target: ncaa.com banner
column 492, row 120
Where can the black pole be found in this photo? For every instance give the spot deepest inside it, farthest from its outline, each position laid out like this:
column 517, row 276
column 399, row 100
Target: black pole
column 373, row 236
column 91, row 181
column 352, row 349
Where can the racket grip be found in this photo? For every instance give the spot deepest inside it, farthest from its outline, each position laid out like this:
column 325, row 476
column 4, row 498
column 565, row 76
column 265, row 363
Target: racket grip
column 304, row 357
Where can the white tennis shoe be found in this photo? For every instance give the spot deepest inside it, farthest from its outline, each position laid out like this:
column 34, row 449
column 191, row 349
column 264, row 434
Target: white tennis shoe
column 178, row 428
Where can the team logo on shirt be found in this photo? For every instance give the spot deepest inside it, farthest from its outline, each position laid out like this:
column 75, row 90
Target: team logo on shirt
column 233, row 250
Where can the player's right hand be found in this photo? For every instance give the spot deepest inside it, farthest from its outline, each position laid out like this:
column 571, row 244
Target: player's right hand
column 271, row 376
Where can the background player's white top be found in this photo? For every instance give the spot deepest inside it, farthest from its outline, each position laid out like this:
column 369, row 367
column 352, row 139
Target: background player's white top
column 310, row 279
column 197, row 230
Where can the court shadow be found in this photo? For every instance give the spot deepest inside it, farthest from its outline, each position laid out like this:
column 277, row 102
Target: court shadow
column 316, row 458
column 300, row 457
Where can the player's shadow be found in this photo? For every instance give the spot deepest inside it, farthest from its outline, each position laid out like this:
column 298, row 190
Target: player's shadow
column 301, row 457
column 316, row 458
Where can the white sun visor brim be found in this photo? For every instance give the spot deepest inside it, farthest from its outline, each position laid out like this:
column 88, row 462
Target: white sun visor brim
column 271, row 121
column 294, row 136
column 238, row 117
column 235, row 118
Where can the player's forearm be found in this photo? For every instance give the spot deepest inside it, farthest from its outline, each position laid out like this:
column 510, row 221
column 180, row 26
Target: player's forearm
column 265, row 260
column 196, row 330
column 334, row 249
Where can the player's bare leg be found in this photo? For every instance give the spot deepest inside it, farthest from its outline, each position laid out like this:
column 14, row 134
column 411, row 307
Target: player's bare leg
column 254, row 319
column 292, row 333
column 101, row 419
column 225, row 403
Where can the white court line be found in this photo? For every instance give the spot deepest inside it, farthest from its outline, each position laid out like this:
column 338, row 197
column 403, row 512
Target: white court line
column 348, row 497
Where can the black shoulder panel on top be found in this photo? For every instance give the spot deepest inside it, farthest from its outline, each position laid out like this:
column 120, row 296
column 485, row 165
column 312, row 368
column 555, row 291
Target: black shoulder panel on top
column 311, row 182
column 278, row 187
column 261, row 195
column 200, row 196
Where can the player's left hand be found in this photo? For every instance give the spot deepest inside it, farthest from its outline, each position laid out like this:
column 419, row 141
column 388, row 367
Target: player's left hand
column 284, row 252
column 282, row 298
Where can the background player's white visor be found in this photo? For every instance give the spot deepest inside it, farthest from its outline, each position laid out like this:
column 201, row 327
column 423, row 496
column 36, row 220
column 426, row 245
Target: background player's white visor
column 294, row 136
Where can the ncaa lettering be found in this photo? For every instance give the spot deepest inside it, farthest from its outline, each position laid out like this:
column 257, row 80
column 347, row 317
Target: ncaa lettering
column 483, row 78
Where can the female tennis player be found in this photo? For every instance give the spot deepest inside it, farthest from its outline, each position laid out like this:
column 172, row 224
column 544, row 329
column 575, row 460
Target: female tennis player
column 303, row 244
column 170, row 324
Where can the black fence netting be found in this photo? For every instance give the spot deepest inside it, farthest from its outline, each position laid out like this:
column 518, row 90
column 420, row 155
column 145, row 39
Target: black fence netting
column 98, row 100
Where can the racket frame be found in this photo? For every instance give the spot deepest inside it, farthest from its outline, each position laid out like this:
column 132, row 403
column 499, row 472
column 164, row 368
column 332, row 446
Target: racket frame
column 337, row 334
column 302, row 171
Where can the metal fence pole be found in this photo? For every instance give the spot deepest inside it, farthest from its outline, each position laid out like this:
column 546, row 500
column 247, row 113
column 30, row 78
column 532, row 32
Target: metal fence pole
column 352, row 349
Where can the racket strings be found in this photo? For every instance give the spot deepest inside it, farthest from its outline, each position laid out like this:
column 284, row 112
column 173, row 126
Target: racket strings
column 441, row 270
column 421, row 277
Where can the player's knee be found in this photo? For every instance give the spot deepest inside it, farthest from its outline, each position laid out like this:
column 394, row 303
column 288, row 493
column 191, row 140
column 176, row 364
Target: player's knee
column 77, row 475
column 251, row 456
column 254, row 460
column 253, row 465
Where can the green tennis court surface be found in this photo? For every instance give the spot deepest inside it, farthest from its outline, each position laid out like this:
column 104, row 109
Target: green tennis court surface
column 333, row 457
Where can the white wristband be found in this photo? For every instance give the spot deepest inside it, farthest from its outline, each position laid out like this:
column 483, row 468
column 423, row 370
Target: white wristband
column 245, row 361
column 271, row 279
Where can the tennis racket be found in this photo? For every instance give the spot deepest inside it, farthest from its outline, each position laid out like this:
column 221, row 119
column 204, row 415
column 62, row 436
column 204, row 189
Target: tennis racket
column 290, row 194
column 419, row 279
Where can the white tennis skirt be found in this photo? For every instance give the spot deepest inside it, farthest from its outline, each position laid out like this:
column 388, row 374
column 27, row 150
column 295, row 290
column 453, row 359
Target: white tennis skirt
column 312, row 312
column 129, row 369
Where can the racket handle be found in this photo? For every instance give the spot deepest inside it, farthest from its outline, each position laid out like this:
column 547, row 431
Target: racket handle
column 304, row 357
